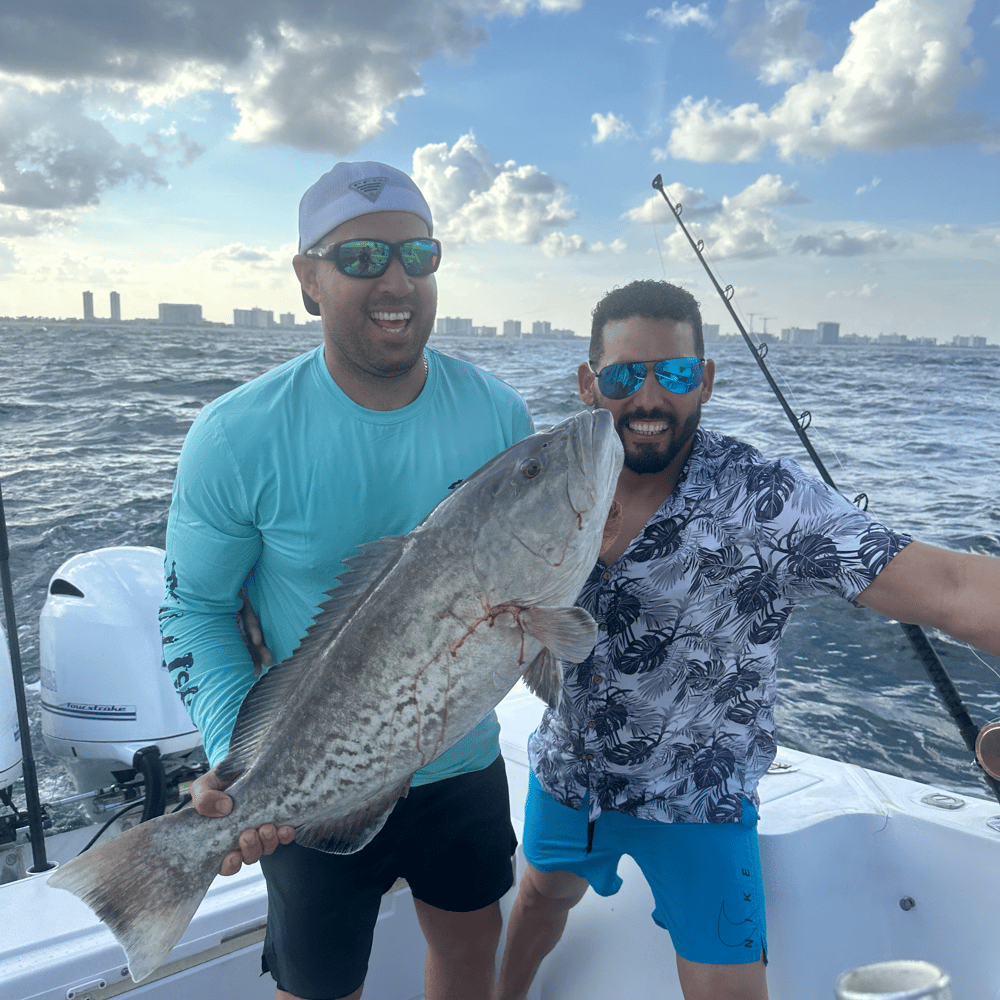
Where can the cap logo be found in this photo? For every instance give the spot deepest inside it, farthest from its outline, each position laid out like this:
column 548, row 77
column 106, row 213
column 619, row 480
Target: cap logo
column 370, row 187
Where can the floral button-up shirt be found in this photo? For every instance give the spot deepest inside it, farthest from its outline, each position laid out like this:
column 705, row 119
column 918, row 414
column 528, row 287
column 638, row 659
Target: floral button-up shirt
column 671, row 718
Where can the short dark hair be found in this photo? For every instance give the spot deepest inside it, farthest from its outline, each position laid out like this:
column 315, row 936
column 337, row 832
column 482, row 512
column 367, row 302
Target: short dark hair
column 651, row 300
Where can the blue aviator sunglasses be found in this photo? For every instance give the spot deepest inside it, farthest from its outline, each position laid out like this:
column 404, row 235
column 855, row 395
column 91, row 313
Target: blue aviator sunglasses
column 679, row 375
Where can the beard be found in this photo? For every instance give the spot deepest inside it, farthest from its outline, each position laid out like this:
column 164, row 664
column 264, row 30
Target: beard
column 651, row 459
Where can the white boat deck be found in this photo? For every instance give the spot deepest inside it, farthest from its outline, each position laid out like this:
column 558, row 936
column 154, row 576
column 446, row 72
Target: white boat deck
column 841, row 848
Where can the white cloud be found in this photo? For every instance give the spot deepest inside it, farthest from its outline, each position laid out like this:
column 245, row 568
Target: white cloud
column 681, row 14
column 15, row 221
column 948, row 231
column 843, row 244
column 53, row 157
column 870, row 186
column 474, row 199
column 866, row 291
column 655, row 209
column 562, row 245
column 171, row 142
column 516, row 8
column 8, row 259
column 768, row 189
column 239, row 254
column 606, row 126
column 741, row 226
column 325, row 90
column 707, row 133
column 897, row 84
column 780, row 43
column 323, row 77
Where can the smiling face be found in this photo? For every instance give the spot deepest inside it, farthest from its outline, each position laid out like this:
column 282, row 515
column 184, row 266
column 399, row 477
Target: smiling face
column 374, row 329
column 656, row 426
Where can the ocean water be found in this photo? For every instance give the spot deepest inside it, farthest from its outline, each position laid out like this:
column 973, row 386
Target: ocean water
column 92, row 419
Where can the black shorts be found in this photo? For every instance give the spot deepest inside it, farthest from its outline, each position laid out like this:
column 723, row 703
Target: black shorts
column 452, row 841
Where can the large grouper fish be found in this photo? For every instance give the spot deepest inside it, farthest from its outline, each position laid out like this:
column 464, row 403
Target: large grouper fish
column 425, row 635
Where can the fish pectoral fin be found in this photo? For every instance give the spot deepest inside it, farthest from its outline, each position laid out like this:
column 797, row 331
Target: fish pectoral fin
column 544, row 678
column 348, row 833
column 569, row 632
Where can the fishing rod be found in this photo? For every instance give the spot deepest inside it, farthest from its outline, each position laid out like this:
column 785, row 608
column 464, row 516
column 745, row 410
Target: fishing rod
column 36, row 834
column 925, row 652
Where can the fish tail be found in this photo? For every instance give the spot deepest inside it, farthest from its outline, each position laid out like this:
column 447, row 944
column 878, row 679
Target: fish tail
column 144, row 885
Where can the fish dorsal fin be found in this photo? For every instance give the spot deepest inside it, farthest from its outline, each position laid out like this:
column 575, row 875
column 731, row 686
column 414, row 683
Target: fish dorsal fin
column 544, row 678
column 368, row 567
column 272, row 692
column 569, row 632
column 347, row 834
column 256, row 715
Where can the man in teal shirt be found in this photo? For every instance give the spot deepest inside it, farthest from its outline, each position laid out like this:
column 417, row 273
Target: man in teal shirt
column 278, row 482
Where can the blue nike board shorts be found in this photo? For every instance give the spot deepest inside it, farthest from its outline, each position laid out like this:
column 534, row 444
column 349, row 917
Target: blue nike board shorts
column 705, row 877
column 452, row 841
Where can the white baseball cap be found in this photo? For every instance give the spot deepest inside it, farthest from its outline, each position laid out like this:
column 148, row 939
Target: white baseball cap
column 350, row 190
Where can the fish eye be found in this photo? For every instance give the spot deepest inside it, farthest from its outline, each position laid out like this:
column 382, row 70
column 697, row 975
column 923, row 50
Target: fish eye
column 530, row 468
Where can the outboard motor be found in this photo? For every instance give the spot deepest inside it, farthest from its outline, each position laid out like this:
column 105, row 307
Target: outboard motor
column 109, row 709
column 10, row 731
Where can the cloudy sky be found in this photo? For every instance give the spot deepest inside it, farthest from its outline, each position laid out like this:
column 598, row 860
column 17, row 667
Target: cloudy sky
column 839, row 158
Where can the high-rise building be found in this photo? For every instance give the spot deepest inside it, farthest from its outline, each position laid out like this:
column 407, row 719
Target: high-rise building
column 829, row 333
column 180, row 314
column 116, row 308
column 88, row 305
column 541, row 328
column 258, row 319
column 512, row 328
column 798, row 337
column 454, row 326
column 286, row 319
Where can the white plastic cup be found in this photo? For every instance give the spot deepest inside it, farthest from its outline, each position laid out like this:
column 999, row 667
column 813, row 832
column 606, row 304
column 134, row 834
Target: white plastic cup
column 988, row 749
column 899, row 980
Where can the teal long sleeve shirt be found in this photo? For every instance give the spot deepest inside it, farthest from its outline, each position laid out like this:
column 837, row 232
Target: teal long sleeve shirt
column 278, row 482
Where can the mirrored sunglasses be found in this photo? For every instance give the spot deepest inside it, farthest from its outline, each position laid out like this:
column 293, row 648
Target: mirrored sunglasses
column 371, row 258
column 678, row 375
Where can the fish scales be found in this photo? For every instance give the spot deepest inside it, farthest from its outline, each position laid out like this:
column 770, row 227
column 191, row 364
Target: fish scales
column 424, row 636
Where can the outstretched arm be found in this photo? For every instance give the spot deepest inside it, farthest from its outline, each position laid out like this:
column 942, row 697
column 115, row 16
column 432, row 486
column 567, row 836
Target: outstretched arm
column 956, row 592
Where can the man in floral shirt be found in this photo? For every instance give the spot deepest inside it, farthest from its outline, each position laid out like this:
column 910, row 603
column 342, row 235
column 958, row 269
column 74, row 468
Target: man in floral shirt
column 666, row 728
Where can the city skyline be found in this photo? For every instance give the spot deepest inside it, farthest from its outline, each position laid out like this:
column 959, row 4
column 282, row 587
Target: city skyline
column 838, row 160
column 825, row 333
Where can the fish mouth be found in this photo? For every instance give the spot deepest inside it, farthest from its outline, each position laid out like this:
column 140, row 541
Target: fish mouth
column 603, row 437
column 603, row 429
column 598, row 453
